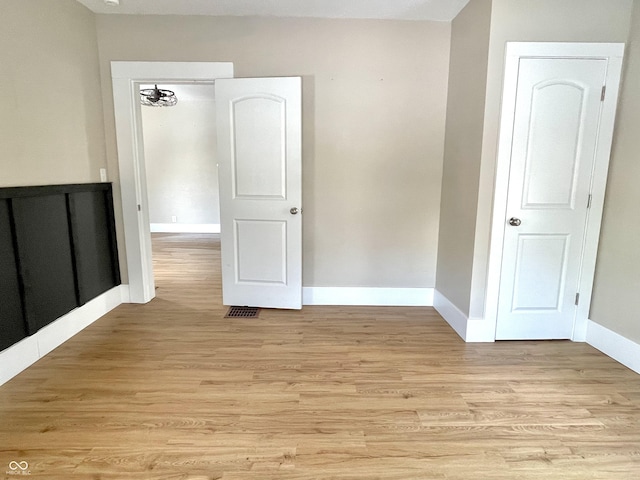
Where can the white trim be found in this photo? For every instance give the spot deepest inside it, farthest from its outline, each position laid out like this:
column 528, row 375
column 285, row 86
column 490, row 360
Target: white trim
column 452, row 314
column 613, row 53
column 479, row 330
column 125, row 294
column 470, row 330
column 598, row 188
column 185, row 227
column 370, row 296
column 620, row 348
column 180, row 72
column 29, row 350
column 126, row 77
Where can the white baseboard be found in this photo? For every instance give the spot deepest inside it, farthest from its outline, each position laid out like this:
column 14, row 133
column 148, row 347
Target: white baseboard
column 480, row 331
column 398, row 297
column 29, row 350
column 452, row 314
column 620, row 348
column 469, row 329
column 184, row 227
column 125, row 294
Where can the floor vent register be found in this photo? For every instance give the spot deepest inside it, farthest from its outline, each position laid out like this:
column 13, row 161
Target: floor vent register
column 243, row 312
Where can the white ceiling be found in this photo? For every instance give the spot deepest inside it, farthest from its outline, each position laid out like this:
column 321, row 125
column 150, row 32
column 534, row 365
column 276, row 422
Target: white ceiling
column 438, row 10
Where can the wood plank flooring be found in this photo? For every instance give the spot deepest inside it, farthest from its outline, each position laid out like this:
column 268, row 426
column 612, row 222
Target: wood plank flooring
column 172, row 390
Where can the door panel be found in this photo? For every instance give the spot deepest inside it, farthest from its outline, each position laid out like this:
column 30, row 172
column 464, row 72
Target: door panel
column 259, row 147
column 555, row 135
column 259, row 127
column 264, row 263
column 541, row 261
column 551, row 165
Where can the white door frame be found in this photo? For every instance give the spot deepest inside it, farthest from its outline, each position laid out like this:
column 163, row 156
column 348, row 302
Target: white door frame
column 613, row 53
column 126, row 78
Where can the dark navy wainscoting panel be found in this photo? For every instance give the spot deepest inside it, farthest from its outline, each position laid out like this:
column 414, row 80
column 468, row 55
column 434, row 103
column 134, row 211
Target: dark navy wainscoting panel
column 12, row 326
column 57, row 251
column 46, row 263
column 93, row 243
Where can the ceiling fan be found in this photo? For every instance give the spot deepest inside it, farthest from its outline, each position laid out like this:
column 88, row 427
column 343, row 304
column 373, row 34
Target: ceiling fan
column 157, row 97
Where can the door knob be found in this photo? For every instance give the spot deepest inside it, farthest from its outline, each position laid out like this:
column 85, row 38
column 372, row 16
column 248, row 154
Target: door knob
column 515, row 222
column 293, row 211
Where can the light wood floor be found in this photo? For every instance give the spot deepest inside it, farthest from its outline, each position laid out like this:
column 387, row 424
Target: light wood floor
column 172, row 390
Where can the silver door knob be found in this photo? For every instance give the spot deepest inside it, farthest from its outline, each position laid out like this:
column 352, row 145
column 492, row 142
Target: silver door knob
column 515, row 222
column 293, row 211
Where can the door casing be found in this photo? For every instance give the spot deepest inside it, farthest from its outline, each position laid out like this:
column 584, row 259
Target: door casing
column 613, row 53
column 126, row 78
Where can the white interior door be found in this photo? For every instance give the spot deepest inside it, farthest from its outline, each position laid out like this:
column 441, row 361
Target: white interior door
column 259, row 127
column 554, row 145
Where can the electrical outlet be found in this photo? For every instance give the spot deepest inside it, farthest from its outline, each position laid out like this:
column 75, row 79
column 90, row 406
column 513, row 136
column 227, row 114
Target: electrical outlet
column 103, row 174
column 174, row 219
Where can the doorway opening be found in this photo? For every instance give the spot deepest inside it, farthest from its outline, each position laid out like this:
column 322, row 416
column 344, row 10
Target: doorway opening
column 127, row 78
column 180, row 161
column 182, row 182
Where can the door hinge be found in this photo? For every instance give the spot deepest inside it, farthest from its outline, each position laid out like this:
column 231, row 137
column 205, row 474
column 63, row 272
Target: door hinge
column 577, row 298
column 589, row 201
column 604, row 93
column 139, row 208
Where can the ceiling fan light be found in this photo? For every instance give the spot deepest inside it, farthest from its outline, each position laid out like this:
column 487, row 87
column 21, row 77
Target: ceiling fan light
column 157, row 97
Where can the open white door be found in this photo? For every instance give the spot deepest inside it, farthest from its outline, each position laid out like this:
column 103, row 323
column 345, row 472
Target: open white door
column 558, row 124
column 259, row 127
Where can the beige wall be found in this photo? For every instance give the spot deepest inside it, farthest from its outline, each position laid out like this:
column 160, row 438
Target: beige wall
column 373, row 127
column 51, row 123
column 180, row 162
column 374, row 110
column 524, row 20
column 463, row 146
column 616, row 295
